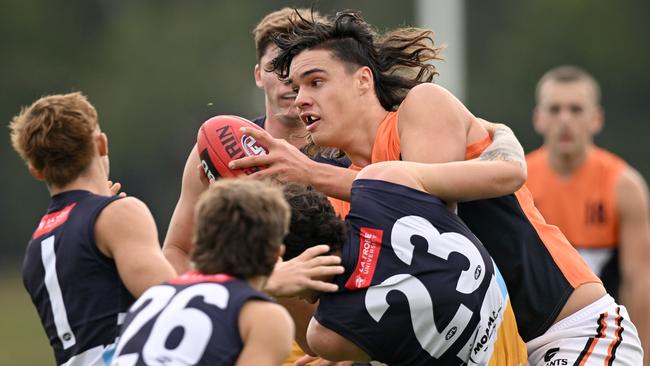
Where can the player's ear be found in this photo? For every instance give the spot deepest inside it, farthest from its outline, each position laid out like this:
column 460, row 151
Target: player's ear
column 258, row 76
column 37, row 174
column 365, row 82
column 598, row 121
column 281, row 250
column 101, row 141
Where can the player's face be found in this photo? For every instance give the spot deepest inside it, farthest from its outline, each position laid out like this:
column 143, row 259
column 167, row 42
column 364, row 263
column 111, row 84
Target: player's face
column 278, row 94
column 326, row 98
column 567, row 116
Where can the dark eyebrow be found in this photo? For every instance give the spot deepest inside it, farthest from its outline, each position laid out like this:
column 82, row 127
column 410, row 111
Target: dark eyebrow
column 305, row 74
column 311, row 71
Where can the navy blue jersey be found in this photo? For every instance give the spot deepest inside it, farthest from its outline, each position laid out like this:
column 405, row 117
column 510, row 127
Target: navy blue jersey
column 76, row 289
column 342, row 161
column 190, row 320
column 418, row 287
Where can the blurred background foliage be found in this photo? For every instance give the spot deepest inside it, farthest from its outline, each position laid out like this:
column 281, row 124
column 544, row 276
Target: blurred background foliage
column 155, row 70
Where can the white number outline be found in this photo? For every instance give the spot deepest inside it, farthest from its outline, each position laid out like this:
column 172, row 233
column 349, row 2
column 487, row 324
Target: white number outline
column 171, row 308
column 59, row 313
column 418, row 297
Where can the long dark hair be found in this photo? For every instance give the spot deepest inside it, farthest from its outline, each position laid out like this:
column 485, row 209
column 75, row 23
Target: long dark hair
column 398, row 59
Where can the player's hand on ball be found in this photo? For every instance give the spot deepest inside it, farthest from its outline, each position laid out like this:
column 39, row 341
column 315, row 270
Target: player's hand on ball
column 284, row 162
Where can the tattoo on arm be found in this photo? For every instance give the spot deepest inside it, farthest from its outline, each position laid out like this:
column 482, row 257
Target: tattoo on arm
column 504, row 147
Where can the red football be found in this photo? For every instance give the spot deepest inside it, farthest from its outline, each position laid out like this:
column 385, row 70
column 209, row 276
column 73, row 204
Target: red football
column 220, row 141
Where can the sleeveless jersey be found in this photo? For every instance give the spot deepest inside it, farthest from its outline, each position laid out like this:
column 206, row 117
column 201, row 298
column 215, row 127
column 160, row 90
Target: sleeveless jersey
column 539, row 265
column 343, row 162
column 192, row 319
column 583, row 206
column 76, row 289
column 418, row 287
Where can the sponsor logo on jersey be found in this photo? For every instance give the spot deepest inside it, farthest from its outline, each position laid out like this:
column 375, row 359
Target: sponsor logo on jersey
column 486, row 334
column 548, row 358
column 369, row 249
column 53, row 220
column 550, row 354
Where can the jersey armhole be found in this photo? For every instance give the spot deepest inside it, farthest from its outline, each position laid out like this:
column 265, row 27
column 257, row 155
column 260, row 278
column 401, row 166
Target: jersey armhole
column 108, row 261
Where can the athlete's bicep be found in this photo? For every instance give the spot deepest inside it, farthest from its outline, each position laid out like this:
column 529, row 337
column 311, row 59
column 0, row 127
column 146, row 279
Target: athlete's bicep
column 126, row 231
column 432, row 125
column 178, row 241
column 267, row 332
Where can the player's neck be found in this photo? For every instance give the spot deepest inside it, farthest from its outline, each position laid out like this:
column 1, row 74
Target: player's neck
column 360, row 144
column 93, row 179
column 257, row 282
column 295, row 134
column 565, row 164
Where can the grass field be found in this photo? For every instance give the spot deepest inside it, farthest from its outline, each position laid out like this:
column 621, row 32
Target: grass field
column 22, row 340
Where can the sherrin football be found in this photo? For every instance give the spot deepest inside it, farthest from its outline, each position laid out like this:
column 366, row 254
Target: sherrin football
column 220, row 141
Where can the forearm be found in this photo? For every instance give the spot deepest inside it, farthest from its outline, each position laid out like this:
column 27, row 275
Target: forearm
column 506, row 148
column 498, row 171
column 178, row 258
column 333, row 181
column 178, row 246
column 467, row 180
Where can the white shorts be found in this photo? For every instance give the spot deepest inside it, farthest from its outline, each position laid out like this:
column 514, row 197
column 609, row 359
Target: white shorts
column 599, row 334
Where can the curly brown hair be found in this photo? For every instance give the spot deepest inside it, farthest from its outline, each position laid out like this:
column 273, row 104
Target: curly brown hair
column 240, row 224
column 313, row 221
column 55, row 136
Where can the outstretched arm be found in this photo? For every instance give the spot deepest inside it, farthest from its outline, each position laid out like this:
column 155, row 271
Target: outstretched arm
column 178, row 241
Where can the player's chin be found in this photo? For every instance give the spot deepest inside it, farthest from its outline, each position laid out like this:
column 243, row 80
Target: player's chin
column 323, row 139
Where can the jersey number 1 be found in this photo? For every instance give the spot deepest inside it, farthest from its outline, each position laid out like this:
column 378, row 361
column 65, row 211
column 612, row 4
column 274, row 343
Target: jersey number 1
column 63, row 330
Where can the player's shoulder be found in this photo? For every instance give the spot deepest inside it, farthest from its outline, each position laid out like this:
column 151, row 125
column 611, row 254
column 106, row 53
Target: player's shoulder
column 123, row 212
column 428, row 92
column 126, row 205
column 256, row 313
column 428, row 99
column 263, row 309
column 631, row 180
column 268, row 312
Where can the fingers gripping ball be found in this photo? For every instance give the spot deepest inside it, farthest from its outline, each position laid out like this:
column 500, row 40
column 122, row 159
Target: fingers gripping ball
column 220, row 141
